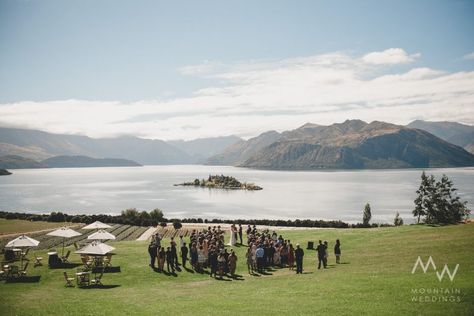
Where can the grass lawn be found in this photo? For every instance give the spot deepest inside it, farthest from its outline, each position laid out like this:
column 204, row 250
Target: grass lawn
column 12, row 226
column 374, row 278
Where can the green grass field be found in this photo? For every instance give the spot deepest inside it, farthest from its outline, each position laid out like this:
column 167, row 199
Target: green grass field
column 13, row 226
column 374, row 278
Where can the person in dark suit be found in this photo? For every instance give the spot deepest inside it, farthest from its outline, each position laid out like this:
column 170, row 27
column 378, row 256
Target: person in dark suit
column 240, row 234
column 170, row 259
column 321, row 251
column 152, row 251
column 299, row 254
column 184, row 254
column 337, row 251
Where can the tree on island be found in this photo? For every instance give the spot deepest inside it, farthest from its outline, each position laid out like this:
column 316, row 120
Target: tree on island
column 367, row 215
column 397, row 221
column 438, row 203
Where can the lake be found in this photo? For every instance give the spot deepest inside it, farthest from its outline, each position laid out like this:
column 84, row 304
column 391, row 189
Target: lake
column 285, row 195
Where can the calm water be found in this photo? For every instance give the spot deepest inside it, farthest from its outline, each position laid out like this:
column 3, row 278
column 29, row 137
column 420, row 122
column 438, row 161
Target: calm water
column 316, row 195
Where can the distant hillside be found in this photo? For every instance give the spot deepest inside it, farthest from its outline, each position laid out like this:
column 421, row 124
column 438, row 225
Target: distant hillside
column 17, row 162
column 456, row 133
column 39, row 145
column 84, row 161
column 239, row 152
column 353, row 144
column 203, row 148
column 4, row 172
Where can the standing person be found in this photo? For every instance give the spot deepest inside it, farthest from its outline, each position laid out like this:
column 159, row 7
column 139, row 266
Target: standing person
column 249, row 231
column 233, row 239
column 291, row 257
column 213, row 262
column 184, row 254
column 194, row 256
column 249, row 257
column 161, row 259
column 181, row 241
column 152, row 251
column 221, row 262
column 157, row 241
column 325, row 254
column 260, row 253
column 174, row 251
column 232, row 264
column 170, row 259
column 337, row 251
column 321, row 252
column 299, row 254
column 240, row 234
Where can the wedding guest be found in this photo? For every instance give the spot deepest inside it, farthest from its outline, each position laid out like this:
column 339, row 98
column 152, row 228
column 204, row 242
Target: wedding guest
column 321, row 252
column 232, row 263
column 221, row 264
column 240, row 234
column 152, row 251
column 174, row 251
column 325, row 254
column 181, row 241
column 260, row 257
column 161, row 259
column 170, row 259
column 194, row 256
column 213, row 262
column 337, row 251
column 299, row 254
column 249, row 257
column 291, row 257
column 184, row 254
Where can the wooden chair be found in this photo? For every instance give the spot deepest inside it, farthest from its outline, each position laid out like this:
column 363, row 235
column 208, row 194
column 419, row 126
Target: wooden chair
column 24, row 254
column 87, row 264
column 66, row 257
column 68, row 280
column 97, row 280
column 107, row 260
column 37, row 261
column 14, row 271
column 23, row 272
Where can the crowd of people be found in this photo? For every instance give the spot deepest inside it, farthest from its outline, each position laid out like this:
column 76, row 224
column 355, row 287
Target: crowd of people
column 207, row 252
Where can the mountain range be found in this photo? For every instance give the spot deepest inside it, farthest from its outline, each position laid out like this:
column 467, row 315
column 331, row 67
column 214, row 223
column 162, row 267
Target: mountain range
column 456, row 133
column 351, row 144
column 348, row 145
column 40, row 145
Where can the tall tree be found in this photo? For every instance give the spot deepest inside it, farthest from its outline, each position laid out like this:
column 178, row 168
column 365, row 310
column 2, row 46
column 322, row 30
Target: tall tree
column 367, row 215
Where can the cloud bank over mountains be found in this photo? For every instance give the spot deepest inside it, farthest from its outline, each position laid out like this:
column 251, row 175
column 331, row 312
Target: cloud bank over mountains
column 248, row 97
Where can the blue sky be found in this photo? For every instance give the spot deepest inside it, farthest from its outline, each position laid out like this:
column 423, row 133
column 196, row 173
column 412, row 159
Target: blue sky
column 134, row 52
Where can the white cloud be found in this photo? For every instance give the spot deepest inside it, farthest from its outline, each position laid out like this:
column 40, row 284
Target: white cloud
column 469, row 56
column 256, row 96
column 391, row 56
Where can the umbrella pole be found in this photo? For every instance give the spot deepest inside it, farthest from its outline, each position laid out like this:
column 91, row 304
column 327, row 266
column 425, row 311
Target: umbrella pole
column 64, row 238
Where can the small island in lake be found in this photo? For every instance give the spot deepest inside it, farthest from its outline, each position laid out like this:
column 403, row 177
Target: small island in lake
column 4, row 172
column 222, row 182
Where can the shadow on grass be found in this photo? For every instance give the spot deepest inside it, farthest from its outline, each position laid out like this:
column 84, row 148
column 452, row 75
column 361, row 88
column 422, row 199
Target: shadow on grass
column 100, row 287
column 66, row 266
column 24, row 279
column 107, row 270
column 189, row 270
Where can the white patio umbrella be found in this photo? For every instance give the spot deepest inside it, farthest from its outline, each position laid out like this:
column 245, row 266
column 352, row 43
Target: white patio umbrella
column 22, row 242
column 95, row 248
column 96, row 225
column 101, row 235
column 65, row 233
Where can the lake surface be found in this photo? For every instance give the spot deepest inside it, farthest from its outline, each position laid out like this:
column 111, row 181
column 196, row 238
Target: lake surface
column 285, row 195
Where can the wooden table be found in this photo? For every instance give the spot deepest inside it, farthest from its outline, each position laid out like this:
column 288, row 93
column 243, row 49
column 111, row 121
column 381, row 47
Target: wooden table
column 83, row 278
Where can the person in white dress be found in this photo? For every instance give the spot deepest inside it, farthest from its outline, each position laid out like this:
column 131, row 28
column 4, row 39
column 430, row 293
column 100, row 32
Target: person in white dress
column 233, row 235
